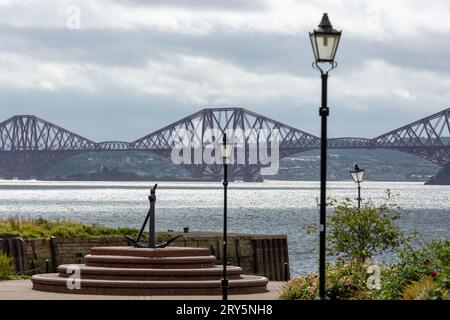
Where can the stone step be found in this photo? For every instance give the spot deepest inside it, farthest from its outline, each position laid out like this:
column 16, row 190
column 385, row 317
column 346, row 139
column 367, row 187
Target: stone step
column 144, row 271
column 150, row 252
column 137, row 274
column 246, row 285
column 150, row 263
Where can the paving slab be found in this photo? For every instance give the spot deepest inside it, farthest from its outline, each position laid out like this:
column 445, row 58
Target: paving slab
column 22, row 290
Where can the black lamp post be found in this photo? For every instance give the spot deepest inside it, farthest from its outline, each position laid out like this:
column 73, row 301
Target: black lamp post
column 324, row 41
column 225, row 150
column 358, row 175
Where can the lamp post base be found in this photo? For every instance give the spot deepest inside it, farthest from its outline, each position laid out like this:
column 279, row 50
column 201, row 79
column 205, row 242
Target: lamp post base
column 225, row 289
column 322, row 298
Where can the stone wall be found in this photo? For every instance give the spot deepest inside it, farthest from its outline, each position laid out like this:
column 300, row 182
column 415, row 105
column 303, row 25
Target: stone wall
column 257, row 254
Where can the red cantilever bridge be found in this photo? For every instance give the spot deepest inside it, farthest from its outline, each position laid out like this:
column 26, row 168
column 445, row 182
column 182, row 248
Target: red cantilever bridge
column 30, row 146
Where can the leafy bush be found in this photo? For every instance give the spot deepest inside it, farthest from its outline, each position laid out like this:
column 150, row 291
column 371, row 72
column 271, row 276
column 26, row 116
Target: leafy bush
column 304, row 288
column 346, row 281
column 362, row 233
column 355, row 235
column 442, row 288
column 343, row 281
column 7, row 269
column 433, row 287
column 419, row 290
column 349, row 281
column 414, row 265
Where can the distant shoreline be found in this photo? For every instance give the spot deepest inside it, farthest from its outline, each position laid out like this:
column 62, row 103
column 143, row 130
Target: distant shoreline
column 145, row 179
column 167, row 179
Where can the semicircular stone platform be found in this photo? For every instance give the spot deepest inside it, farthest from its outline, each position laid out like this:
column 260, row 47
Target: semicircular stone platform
column 146, row 271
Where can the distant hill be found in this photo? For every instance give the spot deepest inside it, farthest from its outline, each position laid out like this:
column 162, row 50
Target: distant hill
column 380, row 165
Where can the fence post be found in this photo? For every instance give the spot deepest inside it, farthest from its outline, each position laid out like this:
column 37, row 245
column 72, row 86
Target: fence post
column 54, row 253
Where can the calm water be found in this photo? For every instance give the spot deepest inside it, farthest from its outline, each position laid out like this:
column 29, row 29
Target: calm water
column 272, row 207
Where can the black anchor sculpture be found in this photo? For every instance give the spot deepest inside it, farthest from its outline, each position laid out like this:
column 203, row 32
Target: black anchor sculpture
column 151, row 235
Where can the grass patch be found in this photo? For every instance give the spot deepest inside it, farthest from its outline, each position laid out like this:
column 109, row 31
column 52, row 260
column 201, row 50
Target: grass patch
column 43, row 228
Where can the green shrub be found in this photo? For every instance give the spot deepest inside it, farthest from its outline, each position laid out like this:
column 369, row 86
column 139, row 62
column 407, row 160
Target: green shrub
column 7, row 269
column 343, row 281
column 360, row 234
column 442, row 288
column 355, row 236
column 346, row 281
column 415, row 264
column 304, row 288
column 419, row 290
column 420, row 273
column 433, row 287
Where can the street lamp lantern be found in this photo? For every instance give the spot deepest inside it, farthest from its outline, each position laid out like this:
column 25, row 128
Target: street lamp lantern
column 325, row 40
column 225, row 148
column 357, row 174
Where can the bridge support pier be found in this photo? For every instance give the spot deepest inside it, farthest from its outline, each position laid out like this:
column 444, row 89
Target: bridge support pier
column 442, row 177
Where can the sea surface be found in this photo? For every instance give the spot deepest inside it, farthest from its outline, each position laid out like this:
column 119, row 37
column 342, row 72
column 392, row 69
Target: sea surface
column 271, row 207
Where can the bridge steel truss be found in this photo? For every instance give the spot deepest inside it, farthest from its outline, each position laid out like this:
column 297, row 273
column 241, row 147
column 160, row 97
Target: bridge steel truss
column 206, row 127
column 428, row 138
column 30, row 146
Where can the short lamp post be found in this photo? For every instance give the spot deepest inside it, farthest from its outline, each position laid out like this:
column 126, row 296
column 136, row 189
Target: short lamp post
column 225, row 151
column 324, row 42
column 358, row 175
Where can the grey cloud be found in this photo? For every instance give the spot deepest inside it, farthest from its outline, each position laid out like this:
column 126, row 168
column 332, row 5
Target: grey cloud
column 241, row 5
column 111, row 116
column 254, row 51
column 134, row 48
column 424, row 53
column 125, row 116
column 115, row 113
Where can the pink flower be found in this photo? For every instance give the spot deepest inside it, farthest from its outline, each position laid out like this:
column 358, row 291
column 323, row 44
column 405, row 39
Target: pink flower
column 432, row 274
column 348, row 282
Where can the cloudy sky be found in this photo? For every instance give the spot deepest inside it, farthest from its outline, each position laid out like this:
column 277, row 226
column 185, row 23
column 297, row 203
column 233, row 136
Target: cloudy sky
column 126, row 68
